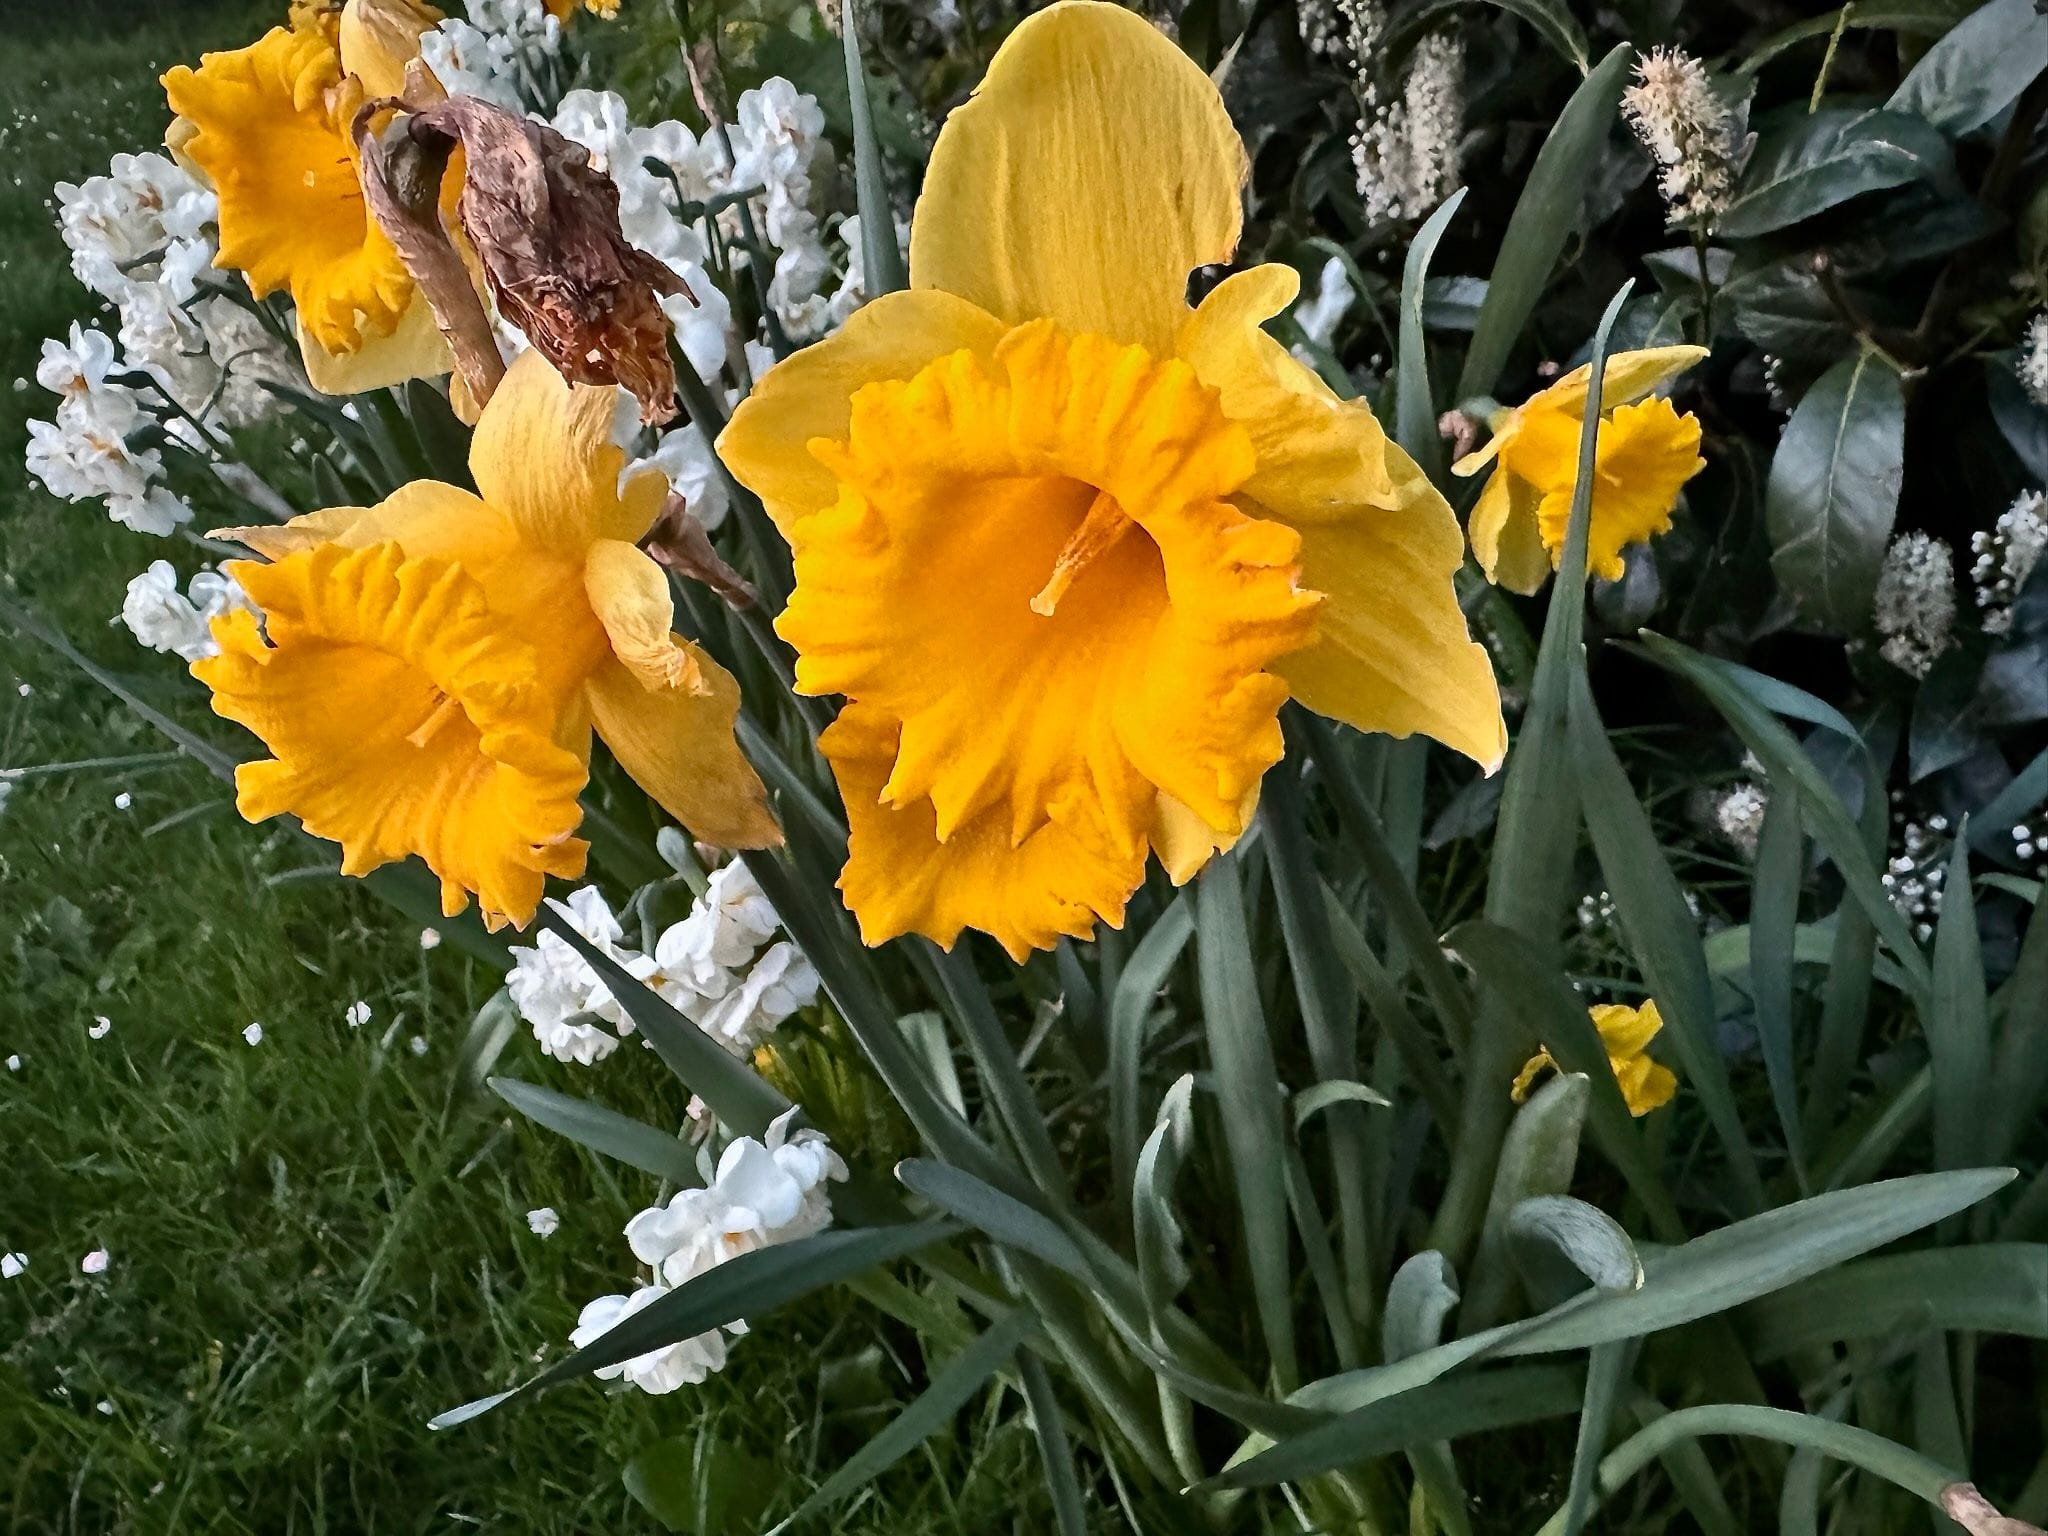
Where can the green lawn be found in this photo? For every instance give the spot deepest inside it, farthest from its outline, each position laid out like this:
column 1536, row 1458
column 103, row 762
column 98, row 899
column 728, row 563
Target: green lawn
column 316, row 1242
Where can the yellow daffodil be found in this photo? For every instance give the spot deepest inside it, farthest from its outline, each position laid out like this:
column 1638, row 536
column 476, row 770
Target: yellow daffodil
column 1647, row 452
column 1626, row 1032
column 427, row 671
column 1066, row 545
column 563, row 10
column 268, row 126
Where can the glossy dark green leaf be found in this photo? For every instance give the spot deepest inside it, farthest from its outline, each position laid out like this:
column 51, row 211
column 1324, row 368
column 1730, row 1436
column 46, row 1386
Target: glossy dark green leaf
column 1805, row 163
column 1978, row 69
column 1834, row 490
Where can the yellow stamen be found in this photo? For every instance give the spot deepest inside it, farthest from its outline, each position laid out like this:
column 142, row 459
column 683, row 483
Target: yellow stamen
column 1105, row 523
column 436, row 720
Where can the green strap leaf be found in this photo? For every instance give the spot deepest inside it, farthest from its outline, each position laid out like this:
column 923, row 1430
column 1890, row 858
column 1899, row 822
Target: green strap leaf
column 1661, row 931
column 1544, row 217
column 1958, row 1026
column 881, row 260
column 1130, row 1010
column 1414, row 409
column 1008, row 1220
column 747, row 1287
column 1775, row 884
column 733, row 1091
column 925, row 1415
column 1981, row 1288
column 1248, row 1089
column 600, row 1129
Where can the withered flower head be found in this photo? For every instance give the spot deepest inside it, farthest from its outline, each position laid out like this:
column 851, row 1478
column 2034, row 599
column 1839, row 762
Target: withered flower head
column 545, row 226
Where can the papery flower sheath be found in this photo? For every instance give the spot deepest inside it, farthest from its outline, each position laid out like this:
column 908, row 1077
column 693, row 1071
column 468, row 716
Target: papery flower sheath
column 268, row 126
column 1646, row 453
column 1066, row 545
column 1645, row 1083
column 427, row 671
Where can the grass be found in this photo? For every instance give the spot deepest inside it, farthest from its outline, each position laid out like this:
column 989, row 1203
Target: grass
column 316, row 1242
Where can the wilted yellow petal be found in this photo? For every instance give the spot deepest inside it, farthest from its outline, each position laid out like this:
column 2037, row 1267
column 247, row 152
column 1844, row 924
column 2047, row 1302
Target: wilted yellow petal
column 630, row 595
column 402, row 720
column 269, row 129
column 1091, row 172
column 678, row 745
column 900, row 878
column 767, row 443
column 543, row 455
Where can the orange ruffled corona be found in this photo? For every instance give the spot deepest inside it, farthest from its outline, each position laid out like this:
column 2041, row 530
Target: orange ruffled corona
column 1066, row 545
column 268, row 126
column 428, row 670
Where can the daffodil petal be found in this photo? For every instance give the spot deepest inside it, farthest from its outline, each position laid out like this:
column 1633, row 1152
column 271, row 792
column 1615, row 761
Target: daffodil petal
column 402, row 719
column 1317, row 454
column 543, row 455
column 1185, row 842
column 415, row 349
column 900, row 878
column 810, row 395
column 378, row 38
column 425, row 516
column 629, row 594
column 1629, row 376
column 269, row 127
column 1506, row 540
column 679, row 747
column 1092, row 171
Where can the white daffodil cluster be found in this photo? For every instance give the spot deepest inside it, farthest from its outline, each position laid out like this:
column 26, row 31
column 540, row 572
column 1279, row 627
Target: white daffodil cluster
column 765, row 1192
column 1915, row 603
column 504, row 51
column 1738, row 815
column 2006, row 555
column 1689, row 131
column 706, row 967
column 165, row 619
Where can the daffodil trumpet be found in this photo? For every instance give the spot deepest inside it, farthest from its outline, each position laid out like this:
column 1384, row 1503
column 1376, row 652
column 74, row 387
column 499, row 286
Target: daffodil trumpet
column 427, row 672
column 1066, row 545
column 1645, row 454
